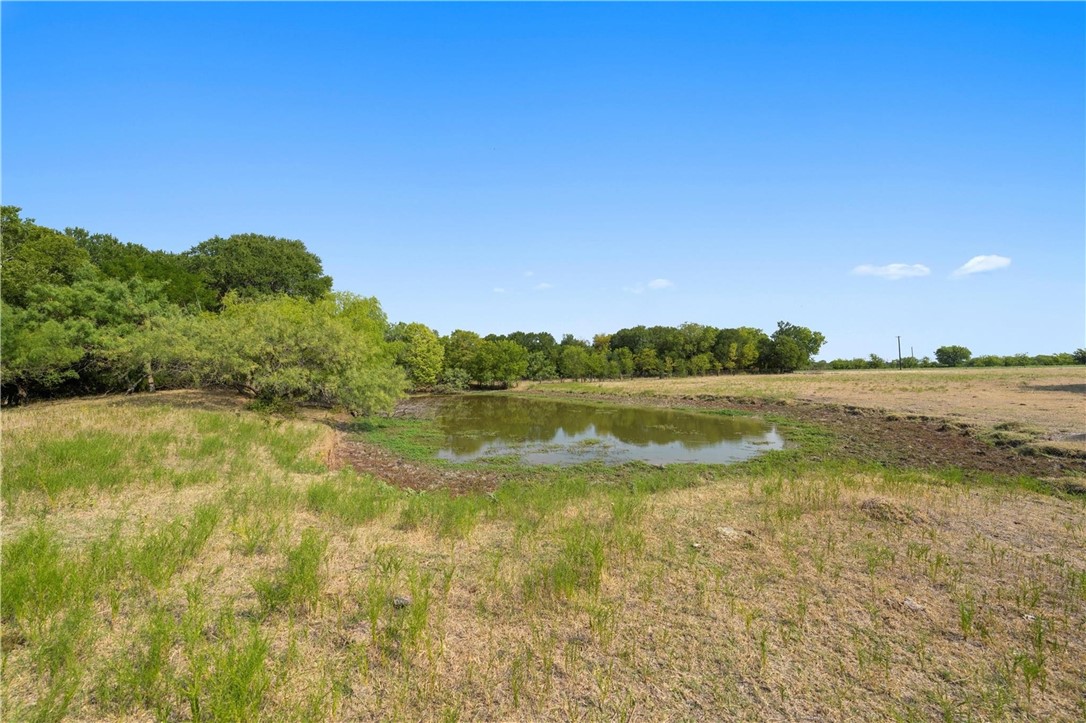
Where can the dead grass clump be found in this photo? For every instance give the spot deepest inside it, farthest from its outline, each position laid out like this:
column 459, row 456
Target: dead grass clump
column 884, row 510
column 1070, row 449
column 1070, row 485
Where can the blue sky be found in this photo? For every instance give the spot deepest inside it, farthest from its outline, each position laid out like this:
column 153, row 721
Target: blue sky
column 580, row 168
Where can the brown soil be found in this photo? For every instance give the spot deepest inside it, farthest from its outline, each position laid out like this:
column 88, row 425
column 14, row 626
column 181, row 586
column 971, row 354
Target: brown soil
column 379, row 462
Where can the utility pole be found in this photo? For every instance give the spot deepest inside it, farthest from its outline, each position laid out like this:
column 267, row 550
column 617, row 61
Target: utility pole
column 899, row 365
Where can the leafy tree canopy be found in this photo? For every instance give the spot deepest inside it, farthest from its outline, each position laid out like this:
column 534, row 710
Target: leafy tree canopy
column 460, row 349
column 33, row 254
column 252, row 265
column 75, row 332
column 952, row 356
column 499, row 362
column 331, row 350
column 124, row 261
column 419, row 352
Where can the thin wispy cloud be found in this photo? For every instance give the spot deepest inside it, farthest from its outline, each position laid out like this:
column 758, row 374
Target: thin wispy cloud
column 892, row 272
column 528, row 274
column 499, row 290
column 980, row 264
column 543, row 286
column 654, row 285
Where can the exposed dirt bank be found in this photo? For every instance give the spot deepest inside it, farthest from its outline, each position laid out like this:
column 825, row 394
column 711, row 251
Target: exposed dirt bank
column 374, row 459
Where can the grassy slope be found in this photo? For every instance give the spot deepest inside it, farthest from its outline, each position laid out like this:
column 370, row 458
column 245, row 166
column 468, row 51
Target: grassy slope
column 181, row 562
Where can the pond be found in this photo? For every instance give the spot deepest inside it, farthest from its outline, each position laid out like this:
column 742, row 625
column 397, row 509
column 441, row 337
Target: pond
column 547, row 431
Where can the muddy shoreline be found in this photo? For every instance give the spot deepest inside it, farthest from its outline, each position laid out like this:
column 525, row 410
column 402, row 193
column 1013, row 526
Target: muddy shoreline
column 874, row 435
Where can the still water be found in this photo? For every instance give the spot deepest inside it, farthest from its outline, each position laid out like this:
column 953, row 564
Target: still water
column 544, row 431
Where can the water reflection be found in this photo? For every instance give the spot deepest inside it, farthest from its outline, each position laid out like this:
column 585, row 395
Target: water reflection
column 544, row 431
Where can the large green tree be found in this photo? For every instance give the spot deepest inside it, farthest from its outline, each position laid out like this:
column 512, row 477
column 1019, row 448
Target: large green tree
column 252, row 265
column 789, row 348
column 77, row 331
column 31, row 254
column 736, row 350
column 331, row 350
column 953, row 355
column 499, row 363
column 540, row 366
column 419, row 352
column 124, row 261
column 460, row 349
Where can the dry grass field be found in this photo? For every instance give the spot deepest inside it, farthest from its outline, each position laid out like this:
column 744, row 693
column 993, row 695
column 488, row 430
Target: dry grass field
column 177, row 557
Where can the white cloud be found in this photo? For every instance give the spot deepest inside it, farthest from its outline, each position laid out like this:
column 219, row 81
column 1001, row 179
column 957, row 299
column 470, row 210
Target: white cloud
column 978, row 264
column 543, row 286
column 499, row 290
column 892, row 272
column 654, row 285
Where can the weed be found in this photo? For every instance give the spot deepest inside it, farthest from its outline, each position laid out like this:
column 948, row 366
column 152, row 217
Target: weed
column 35, row 576
column 445, row 514
column 578, row 567
column 142, row 675
column 601, row 621
column 299, row 583
column 876, row 557
column 256, row 532
column 161, row 554
column 350, row 498
column 228, row 675
column 967, row 612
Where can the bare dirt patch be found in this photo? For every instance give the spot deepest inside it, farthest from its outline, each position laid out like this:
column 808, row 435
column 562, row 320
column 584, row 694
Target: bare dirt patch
column 379, row 462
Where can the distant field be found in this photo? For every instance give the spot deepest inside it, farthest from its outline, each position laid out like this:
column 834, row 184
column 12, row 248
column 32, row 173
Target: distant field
column 1052, row 398
column 174, row 556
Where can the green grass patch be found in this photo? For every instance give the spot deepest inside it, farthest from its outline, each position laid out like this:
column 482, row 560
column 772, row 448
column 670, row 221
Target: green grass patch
column 351, row 498
column 92, row 460
column 577, row 567
column 142, row 677
column 86, row 460
column 447, row 515
column 414, row 439
column 163, row 552
column 298, row 585
column 36, row 576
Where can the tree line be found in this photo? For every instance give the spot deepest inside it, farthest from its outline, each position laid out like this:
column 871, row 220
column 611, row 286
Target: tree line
column 86, row 313
column 465, row 358
column 957, row 356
